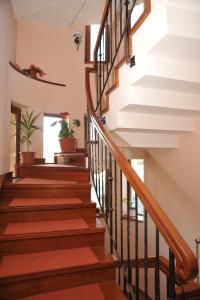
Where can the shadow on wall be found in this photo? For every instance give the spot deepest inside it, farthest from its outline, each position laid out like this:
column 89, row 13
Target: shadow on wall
column 178, row 205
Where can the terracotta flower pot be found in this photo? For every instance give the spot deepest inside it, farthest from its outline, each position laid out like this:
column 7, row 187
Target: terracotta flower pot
column 33, row 73
column 27, row 158
column 68, row 144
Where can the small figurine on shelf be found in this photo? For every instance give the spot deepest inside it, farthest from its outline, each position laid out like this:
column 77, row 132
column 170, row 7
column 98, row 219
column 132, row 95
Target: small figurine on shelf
column 32, row 71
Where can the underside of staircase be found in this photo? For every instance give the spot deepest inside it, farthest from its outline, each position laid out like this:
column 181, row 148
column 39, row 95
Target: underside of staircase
column 156, row 101
column 51, row 245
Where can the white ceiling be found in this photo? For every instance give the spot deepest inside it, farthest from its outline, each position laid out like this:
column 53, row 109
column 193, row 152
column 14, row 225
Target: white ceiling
column 59, row 12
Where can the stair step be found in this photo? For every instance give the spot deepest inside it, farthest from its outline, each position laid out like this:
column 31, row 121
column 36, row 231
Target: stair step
column 102, row 291
column 50, row 235
column 45, row 209
column 53, row 270
column 55, row 171
column 41, row 202
column 32, row 263
column 31, row 180
column 83, row 292
column 191, row 291
column 44, row 226
column 46, row 188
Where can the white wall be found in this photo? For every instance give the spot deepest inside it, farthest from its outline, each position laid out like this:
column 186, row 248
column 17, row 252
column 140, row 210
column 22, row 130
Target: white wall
column 7, row 52
column 173, row 178
column 53, row 50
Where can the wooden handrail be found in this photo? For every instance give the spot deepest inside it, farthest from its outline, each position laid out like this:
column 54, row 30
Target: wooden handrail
column 186, row 262
column 42, row 80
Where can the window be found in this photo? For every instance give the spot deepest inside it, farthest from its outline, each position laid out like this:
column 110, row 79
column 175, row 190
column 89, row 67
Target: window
column 138, row 166
column 91, row 35
column 50, row 137
column 137, row 12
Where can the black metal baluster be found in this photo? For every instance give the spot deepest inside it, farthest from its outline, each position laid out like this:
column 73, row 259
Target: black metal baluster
column 93, row 155
column 107, row 184
column 111, row 35
column 127, row 30
column 122, row 228
column 102, row 177
column 97, row 81
column 171, row 278
column 115, row 16
column 95, row 158
column 120, row 18
column 107, row 44
column 145, row 255
column 100, row 76
column 103, row 57
column 128, row 234
column 121, row 223
column 98, row 169
column 157, row 267
column 89, row 144
column 110, row 203
column 137, row 283
column 115, row 188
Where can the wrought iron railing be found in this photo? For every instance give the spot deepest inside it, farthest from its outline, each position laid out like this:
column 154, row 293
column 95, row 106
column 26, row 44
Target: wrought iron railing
column 113, row 33
column 140, row 248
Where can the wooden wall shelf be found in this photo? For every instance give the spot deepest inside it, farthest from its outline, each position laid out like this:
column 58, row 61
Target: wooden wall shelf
column 45, row 81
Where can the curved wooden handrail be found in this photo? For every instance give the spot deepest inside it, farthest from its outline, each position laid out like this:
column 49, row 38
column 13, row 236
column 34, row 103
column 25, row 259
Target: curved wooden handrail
column 186, row 262
column 42, row 80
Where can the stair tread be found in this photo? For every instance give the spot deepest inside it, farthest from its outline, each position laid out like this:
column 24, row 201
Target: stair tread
column 44, row 226
column 16, row 204
column 22, row 230
column 31, row 180
column 82, row 292
column 13, row 267
column 48, row 201
column 98, row 291
column 57, row 166
column 192, row 288
column 28, row 182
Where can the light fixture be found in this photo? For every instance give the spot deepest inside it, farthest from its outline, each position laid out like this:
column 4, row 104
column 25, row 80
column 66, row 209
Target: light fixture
column 77, row 38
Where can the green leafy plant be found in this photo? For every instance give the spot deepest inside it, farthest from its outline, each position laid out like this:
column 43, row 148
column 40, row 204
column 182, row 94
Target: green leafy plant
column 66, row 130
column 28, row 127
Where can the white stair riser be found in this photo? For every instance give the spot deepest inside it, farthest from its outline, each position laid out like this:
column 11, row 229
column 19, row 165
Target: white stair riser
column 146, row 140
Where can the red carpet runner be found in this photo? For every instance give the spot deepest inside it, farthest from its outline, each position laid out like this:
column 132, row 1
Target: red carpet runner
column 86, row 292
column 22, row 264
column 44, row 201
column 42, row 181
column 45, row 226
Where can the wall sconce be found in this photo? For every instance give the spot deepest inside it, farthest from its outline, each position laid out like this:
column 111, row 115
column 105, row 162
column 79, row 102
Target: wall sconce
column 77, row 38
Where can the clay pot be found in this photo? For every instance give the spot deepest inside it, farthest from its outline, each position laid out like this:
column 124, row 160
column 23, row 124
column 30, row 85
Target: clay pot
column 33, row 73
column 27, row 158
column 68, row 144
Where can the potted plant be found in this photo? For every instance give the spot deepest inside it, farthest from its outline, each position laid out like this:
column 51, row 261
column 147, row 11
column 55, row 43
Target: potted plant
column 27, row 127
column 66, row 137
column 32, row 71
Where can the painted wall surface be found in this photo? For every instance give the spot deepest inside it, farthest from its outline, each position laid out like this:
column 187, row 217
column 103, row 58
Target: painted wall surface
column 173, row 178
column 53, row 50
column 7, row 52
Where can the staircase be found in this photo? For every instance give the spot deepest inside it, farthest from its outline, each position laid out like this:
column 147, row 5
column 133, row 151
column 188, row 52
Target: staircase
column 149, row 107
column 51, row 245
column 157, row 100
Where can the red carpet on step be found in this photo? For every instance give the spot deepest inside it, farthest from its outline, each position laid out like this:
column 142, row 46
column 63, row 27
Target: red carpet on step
column 28, row 180
column 45, row 226
column 44, row 201
column 86, row 292
column 30, row 263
